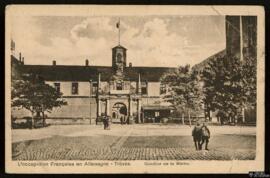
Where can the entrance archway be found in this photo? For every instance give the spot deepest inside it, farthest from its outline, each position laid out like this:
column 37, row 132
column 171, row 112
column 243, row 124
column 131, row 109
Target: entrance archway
column 118, row 110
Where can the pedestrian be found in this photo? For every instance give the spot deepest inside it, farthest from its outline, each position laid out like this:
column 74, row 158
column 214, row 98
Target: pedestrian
column 196, row 133
column 121, row 119
column 104, row 121
column 108, row 122
column 125, row 119
column 205, row 136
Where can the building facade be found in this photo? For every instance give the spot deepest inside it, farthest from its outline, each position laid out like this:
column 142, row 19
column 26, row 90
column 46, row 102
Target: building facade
column 92, row 91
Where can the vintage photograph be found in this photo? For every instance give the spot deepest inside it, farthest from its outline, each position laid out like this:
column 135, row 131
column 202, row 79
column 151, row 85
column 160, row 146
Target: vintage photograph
column 132, row 87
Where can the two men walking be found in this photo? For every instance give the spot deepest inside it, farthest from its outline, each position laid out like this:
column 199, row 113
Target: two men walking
column 201, row 135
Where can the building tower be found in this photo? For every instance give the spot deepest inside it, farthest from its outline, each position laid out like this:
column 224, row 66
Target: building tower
column 119, row 60
column 119, row 56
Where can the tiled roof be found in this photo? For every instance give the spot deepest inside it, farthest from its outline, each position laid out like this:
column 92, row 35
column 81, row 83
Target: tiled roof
column 86, row 73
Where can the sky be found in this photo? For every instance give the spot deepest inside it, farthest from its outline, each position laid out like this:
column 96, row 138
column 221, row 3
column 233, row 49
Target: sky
column 162, row 41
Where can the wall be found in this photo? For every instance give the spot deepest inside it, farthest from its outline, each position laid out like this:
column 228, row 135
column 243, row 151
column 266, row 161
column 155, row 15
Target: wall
column 65, row 88
column 105, row 87
column 76, row 108
column 249, row 35
column 153, row 88
column 233, row 35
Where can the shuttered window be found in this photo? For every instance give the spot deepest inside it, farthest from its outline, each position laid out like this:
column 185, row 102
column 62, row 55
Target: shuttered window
column 74, row 88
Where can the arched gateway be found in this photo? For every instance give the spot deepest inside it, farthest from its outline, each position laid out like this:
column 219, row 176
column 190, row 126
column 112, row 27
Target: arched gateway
column 118, row 110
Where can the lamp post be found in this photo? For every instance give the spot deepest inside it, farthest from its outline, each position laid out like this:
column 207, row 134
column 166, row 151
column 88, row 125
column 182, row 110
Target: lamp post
column 90, row 82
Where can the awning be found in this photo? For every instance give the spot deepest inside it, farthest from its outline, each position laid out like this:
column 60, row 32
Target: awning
column 157, row 107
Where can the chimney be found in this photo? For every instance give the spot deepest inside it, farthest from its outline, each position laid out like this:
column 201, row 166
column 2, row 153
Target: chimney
column 20, row 56
column 54, row 63
column 86, row 62
column 130, row 64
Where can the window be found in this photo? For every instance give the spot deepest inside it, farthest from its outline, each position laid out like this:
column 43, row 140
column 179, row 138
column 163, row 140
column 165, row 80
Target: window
column 162, row 88
column 74, row 88
column 119, row 57
column 119, row 86
column 94, row 88
column 57, row 87
column 156, row 114
column 144, row 88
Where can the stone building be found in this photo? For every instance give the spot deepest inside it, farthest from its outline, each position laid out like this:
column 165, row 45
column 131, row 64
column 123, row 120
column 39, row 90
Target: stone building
column 93, row 91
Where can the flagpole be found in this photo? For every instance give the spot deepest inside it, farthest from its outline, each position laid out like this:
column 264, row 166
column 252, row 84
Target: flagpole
column 119, row 32
column 241, row 39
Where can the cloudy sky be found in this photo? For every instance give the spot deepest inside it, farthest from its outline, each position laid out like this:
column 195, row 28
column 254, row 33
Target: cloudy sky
column 150, row 40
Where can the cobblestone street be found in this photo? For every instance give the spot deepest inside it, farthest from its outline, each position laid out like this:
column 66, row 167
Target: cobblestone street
column 131, row 142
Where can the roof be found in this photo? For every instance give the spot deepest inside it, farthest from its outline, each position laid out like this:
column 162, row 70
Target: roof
column 119, row 46
column 204, row 63
column 147, row 73
column 86, row 73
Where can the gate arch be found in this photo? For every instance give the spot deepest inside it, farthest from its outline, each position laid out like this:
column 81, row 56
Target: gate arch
column 119, row 109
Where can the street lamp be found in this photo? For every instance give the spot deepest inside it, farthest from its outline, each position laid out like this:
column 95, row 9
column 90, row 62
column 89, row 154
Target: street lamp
column 90, row 82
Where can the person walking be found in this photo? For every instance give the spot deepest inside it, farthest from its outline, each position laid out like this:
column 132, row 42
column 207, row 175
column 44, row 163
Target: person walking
column 205, row 136
column 104, row 121
column 121, row 119
column 196, row 133
column 108, row 123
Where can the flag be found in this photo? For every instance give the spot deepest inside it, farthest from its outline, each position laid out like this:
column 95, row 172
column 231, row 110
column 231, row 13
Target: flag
column 118, row 24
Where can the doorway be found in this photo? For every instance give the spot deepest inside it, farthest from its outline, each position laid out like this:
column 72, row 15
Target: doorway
column 118, row 110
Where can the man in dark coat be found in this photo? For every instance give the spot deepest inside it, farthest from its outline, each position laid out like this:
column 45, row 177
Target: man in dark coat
column 121, row 119
column 196, row 133
column 104, row 121
column 108, row 122
column 205, row 136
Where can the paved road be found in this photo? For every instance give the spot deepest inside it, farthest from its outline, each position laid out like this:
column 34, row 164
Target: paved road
column 131, row 142
column 121, row 130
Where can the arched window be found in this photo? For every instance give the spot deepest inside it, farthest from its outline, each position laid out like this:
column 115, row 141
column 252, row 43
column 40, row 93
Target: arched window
column 119, row 57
